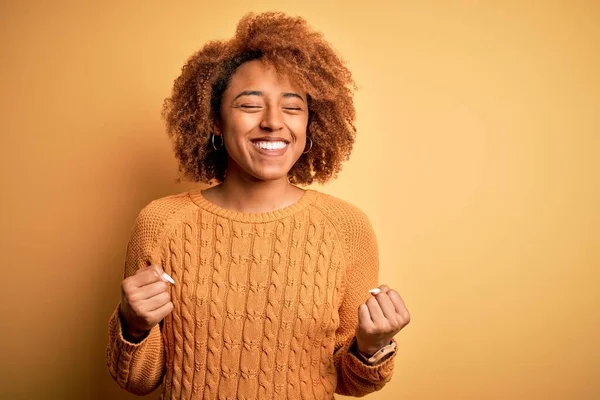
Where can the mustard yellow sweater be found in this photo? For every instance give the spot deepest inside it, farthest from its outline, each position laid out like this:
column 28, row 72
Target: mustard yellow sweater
column 265, row 304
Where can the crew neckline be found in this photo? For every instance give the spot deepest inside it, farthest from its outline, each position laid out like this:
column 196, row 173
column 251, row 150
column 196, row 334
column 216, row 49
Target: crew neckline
column 307, row 198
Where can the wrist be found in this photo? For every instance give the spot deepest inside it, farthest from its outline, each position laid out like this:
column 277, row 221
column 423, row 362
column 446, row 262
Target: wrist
column 134, row 336
column 131, row 334
column 378, row 355
column 369, row 350
column 365, row 353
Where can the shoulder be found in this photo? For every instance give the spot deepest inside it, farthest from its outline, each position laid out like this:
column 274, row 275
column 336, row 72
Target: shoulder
column 353, row 227
column 352, row 224
column 341, row 212
column 167, row 206
column 156, row 216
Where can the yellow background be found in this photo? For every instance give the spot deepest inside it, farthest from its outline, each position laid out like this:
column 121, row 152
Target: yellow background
column 476, row 160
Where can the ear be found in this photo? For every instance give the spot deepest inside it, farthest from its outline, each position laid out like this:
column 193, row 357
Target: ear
column 217, row 127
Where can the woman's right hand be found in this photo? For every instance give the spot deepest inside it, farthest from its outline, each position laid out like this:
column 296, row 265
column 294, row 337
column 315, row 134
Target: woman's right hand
column 145, row 301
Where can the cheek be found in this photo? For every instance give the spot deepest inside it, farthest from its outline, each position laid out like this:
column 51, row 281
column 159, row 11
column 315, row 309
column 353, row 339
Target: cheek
column 239, row 123
column 298, row 128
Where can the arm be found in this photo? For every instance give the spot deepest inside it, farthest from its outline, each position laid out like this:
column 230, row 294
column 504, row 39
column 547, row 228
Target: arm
column 136, row 365
column 355, row 377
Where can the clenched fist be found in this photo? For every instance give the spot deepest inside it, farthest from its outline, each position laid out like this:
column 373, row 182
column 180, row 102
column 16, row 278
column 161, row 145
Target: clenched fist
column 379, row 319
column 145, row 301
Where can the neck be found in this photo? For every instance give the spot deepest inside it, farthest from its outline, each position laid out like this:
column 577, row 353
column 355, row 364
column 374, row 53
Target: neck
column 251, row 196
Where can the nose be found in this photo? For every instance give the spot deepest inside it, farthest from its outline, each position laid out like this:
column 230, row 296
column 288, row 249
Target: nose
column 272, row 119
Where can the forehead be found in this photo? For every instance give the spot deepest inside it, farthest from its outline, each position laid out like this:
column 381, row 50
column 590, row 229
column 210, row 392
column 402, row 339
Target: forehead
column 257, row 75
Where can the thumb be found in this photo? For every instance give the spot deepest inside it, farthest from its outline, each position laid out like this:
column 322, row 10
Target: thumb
column 163, row 275
column 364, row 317
column 159, row 272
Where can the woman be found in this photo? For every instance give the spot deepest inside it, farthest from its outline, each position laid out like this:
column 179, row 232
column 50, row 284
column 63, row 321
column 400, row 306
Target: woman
column 255, row 288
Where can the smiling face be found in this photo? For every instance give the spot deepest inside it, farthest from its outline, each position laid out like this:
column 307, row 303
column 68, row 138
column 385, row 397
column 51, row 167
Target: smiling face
column 264, row 118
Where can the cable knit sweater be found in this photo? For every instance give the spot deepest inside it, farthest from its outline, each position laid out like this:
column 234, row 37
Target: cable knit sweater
column 265, row 304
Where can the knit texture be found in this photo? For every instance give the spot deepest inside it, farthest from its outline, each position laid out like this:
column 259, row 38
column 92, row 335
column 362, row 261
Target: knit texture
column 265, row 305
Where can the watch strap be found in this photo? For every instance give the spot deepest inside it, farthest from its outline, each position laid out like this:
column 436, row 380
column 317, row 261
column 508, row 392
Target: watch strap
column 379, row 355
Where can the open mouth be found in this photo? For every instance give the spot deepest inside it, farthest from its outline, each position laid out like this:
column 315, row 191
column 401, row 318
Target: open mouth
column 270, row 145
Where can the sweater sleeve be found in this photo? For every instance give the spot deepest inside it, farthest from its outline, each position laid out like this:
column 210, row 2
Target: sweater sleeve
column 137, row 367
column 356, row 378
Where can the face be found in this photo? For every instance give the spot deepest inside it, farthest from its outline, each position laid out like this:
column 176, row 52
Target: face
column 264, row 118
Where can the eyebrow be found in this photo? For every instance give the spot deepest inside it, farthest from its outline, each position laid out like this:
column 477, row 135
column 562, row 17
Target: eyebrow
column 259, row 93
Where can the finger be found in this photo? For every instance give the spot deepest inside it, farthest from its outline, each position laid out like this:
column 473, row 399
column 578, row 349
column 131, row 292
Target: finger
column 152, row 289
column 151, row 274
column 384, row 288
column 147, row 275
column 156, row 302
column 398, row 303
column 374, row 310
column 386, row 305
column 379, row 289
column 163, row 311
column 364, row 318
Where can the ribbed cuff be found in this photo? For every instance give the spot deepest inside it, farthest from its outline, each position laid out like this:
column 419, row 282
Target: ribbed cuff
column 128, row 344
column 376, row 373
column 120, row 351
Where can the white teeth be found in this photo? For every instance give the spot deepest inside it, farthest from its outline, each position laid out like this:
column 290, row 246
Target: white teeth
column 270, row 145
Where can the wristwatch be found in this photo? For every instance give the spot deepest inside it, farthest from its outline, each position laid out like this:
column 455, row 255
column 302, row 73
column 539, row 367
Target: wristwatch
column 378, row 356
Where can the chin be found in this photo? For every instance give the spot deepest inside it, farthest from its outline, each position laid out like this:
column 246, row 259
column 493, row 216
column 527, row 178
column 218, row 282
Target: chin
column 270, row 174
column 270, row 177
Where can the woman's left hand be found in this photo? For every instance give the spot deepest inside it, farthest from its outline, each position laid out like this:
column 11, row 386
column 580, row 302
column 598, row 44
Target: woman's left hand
column 379, row 319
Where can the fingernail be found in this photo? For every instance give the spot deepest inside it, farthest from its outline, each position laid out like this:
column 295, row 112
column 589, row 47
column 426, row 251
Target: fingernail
column 167, row 278
column 375, row 291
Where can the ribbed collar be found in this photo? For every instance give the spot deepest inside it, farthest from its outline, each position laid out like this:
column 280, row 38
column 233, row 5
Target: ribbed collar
column 307, row 199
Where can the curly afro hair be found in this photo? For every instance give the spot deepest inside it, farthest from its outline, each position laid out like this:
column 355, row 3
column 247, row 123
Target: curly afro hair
column 293, row 49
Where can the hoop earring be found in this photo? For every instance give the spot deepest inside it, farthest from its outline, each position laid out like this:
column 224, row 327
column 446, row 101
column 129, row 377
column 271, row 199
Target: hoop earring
column 309, row 147
column 212, row 140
